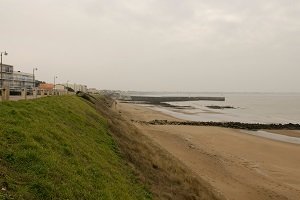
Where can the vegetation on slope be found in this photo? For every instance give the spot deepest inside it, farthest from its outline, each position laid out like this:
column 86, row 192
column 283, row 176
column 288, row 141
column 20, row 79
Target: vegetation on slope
column 60, row 148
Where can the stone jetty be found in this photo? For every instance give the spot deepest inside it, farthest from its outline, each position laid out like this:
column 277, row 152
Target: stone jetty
column 158, row 100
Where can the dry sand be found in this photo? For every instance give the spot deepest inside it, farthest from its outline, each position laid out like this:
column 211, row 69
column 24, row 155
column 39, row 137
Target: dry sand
column 238, row 165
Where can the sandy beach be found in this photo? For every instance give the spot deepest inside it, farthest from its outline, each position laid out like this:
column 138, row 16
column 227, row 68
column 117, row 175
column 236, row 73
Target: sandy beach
column 236, row 164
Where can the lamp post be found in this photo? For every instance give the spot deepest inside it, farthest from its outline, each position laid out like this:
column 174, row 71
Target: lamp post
column 54, row 88
column 55, row 77
column 2, row 53
column 34, row 69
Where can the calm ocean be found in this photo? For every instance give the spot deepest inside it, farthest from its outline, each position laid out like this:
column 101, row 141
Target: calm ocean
column 250, row 107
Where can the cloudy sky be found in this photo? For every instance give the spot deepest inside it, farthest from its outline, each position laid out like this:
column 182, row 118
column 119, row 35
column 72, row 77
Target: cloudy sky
column 157, row 45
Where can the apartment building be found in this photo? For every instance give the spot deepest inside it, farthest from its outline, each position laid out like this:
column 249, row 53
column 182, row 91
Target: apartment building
column 6, row 75
column 76, row 87
column 15, row 80
column 21, row 80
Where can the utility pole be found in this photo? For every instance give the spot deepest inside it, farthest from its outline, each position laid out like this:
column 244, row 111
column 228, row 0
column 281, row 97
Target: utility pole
column 55, row 77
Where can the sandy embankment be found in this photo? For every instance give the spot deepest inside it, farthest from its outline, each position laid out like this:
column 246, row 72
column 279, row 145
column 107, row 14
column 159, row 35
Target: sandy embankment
column 238, row 165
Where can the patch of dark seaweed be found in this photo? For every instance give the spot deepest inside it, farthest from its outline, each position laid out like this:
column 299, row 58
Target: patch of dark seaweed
column 174, row 106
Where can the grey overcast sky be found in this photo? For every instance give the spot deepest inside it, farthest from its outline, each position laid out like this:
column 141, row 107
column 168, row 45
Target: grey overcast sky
column 157, row 45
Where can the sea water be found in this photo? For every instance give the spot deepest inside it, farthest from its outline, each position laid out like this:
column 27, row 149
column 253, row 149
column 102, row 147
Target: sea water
column 248, row 107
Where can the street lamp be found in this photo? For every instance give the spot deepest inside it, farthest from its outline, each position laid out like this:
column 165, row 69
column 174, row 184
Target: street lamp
column 34, row 69
column 2, row 53
column 55, row 77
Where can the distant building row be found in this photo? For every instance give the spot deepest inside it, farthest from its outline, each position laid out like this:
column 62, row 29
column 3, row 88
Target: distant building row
column 63, row 87
column 17, row 80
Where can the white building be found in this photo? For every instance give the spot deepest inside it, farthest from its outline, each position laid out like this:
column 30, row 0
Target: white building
column 75, row 87
column 60, row 88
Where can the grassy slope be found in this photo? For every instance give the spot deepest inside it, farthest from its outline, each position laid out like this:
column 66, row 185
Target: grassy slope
column 59, row 147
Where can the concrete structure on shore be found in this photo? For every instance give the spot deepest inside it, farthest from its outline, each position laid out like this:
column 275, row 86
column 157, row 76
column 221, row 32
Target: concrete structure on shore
column 153, row 99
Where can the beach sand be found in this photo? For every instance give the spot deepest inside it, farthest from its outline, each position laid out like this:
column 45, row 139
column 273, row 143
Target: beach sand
column 237, row 165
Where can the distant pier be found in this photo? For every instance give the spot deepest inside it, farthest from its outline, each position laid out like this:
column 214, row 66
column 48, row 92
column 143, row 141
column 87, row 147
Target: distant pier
column 157, row 100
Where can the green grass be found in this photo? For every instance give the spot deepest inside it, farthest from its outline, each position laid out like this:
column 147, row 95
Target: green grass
column 59, row 148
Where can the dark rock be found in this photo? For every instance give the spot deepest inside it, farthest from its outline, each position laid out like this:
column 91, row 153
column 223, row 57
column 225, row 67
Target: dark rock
column 154, row 166
column 221, row 107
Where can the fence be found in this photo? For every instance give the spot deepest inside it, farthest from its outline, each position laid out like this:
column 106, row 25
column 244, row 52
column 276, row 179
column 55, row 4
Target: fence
column 30, row 94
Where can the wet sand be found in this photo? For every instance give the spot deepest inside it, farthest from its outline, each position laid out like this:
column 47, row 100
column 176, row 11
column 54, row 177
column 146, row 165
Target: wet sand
column 236, row 164
column 292, row 133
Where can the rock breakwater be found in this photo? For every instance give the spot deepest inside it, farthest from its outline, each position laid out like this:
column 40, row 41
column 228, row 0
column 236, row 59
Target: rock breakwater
column 235, row 125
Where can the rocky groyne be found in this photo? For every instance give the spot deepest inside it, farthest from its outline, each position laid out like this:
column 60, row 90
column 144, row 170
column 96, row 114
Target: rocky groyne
column 235, row 125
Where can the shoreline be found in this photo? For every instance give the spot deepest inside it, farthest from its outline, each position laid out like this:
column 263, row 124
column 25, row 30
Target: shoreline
column 235, row 109
column 287, row 129
column 239, row 166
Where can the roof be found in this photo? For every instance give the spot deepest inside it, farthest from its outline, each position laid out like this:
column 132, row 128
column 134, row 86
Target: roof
column 23, row 73
column 7, row 65
column 46, row 86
